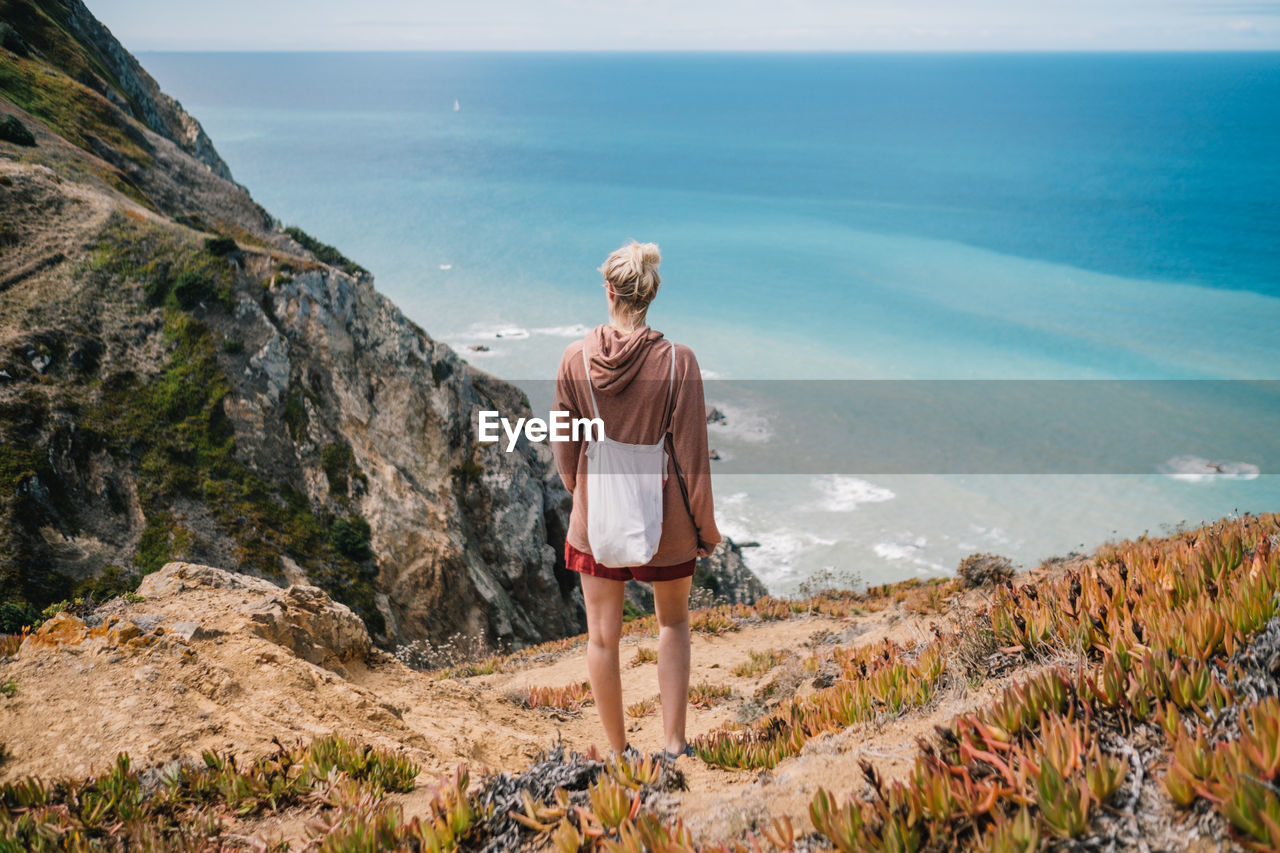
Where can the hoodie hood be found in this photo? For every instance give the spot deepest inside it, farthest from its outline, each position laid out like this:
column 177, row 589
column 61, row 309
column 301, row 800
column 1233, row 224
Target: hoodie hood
column 614, row 358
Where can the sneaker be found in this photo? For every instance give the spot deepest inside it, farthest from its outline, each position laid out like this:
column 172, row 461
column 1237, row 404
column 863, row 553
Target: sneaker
column 670, row 757
column 629, row 752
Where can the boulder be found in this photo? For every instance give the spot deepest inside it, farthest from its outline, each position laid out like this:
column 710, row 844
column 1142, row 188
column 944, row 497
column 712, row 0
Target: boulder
column 13, row 130
column 301, row 618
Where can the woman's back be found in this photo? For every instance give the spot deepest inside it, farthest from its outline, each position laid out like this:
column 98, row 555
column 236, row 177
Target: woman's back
column 630, row 376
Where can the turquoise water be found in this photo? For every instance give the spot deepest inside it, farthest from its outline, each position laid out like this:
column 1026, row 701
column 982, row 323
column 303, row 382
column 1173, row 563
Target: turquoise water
column 821, row 216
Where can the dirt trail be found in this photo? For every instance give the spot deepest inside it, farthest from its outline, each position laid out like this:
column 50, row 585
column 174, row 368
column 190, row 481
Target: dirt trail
column 211, row 660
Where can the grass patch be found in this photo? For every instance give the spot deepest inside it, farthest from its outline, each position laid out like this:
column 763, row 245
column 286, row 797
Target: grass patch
column 74, row 111
column 173, row 269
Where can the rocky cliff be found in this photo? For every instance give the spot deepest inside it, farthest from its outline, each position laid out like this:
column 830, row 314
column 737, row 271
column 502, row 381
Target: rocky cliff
column 182, row 379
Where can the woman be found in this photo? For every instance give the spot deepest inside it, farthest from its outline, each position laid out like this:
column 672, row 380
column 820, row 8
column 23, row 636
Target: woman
column 633, row 388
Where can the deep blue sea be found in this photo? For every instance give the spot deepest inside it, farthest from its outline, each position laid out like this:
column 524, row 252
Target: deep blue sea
column 912, row 216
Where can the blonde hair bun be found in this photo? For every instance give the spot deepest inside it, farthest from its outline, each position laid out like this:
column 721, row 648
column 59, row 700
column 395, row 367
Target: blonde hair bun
column 632, row 272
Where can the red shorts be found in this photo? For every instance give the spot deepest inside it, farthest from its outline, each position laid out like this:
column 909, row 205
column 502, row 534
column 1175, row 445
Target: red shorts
column 576, row 561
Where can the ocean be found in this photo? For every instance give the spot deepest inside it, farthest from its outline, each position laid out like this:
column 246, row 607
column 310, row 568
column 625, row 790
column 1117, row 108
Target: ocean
column 824, row 218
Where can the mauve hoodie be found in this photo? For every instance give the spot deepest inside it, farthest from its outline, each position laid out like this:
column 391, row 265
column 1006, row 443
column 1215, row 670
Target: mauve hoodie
column 630, row 373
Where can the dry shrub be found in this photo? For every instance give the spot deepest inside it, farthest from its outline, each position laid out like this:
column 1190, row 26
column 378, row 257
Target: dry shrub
column 984, row 570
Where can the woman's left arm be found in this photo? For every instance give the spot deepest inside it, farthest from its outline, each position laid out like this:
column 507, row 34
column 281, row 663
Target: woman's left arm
column 689, row 439
column 566, row 453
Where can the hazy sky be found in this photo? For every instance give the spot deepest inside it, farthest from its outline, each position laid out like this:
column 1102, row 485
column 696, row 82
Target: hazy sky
column 693, row 24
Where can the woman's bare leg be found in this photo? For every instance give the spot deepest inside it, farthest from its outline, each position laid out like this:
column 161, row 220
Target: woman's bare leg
column 671, row 601
column 604, row 627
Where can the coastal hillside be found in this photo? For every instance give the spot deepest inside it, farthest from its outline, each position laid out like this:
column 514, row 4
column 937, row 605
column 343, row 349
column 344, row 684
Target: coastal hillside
column 1125, row 700
column 182, row 378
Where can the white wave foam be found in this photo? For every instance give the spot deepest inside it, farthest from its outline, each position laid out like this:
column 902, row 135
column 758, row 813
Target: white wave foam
column 492, row 331
column 577, row 330
column 739, row 424
column 1194, row 469
column 991, row 534
column 843, row 493
column 446, row 266
column 774, row 559
column 910, row 549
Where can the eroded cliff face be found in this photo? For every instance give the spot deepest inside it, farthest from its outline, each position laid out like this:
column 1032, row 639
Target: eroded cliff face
column 467, row 537
column 168, row 395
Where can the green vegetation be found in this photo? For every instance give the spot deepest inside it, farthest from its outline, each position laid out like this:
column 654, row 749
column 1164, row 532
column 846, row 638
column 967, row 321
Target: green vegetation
column 9, row 688
column 39, row 24
column 71, row 109
column 339, row 465
column 32, row 495
column 325, row 253
column 173, row 269
column 112, row 582
column 162, row 539
column 760, row 662
column 598, row 805
column 222, row 245
column 16, row 615
column 183, row 809
column 350, row 538
column 172, row 426
column 80, row 607
column 295, row 417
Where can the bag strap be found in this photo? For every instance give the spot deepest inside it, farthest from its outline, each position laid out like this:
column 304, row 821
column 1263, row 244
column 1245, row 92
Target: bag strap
column 669, row 441
column 671, row 386
column 587, row 372
column 667, row 438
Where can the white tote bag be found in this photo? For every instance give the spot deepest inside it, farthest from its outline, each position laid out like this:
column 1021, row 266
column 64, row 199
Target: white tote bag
column 624, row 492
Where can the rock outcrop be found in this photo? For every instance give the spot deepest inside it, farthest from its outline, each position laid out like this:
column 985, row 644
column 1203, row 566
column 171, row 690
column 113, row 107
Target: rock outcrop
column 726, row 576
column 142, row 95
column 165, row 395
column 467, row 536
column 300, row 618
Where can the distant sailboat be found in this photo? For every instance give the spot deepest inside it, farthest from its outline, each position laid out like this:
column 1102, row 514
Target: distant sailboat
column 456, row 106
